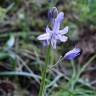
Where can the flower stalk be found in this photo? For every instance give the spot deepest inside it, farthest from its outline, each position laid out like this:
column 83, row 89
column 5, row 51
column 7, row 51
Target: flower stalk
column 73, row 74
column 44, row 71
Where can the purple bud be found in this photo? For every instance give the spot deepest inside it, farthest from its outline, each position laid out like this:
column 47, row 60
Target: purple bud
column 72, row 54
column 52, row 13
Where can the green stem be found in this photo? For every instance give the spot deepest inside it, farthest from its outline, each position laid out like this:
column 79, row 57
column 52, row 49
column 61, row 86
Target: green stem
column 74, row 69
column 83, row 68
column 73, row 74
column 44, row 71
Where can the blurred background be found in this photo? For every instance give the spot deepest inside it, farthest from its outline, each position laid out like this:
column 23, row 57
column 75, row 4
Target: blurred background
column 21, row 21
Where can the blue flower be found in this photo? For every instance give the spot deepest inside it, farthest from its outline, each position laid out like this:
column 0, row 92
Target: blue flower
column 72, row 54
column 51, row 36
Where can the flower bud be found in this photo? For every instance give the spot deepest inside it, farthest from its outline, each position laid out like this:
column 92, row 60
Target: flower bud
column 72, row 54
column 52, row 13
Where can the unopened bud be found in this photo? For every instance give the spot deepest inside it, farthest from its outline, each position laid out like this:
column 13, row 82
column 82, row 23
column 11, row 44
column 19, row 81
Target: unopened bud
column 52, row 13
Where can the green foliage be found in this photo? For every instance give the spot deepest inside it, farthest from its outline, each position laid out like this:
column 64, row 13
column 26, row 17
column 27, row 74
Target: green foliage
column 3, row 55
column 87, row 10
column 77, row 92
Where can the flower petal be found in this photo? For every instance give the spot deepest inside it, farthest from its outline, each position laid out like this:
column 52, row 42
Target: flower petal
column 48, row 30
column 72, row 54
column 62, row 38
column 45, row 36
column 64, row 31
column 58, row 20
column 45, row 42
column 53, row 43
column 59, row 17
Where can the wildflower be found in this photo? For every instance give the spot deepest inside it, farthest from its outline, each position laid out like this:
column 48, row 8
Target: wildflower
column 51, row 36
column 72, row 54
